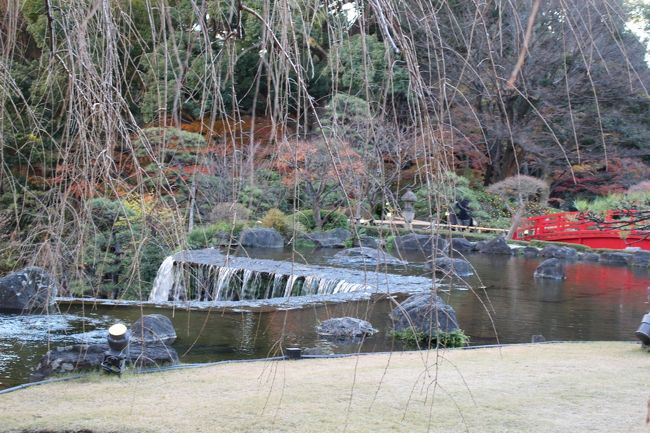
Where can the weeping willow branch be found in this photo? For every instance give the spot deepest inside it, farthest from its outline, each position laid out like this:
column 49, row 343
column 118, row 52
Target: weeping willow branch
column 524, row 49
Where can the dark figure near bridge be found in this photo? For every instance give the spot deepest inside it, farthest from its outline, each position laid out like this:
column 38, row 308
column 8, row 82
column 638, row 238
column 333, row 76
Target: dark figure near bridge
column 463, row 212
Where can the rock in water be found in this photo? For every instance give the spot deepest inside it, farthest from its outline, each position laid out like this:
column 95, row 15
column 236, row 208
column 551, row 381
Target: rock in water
column 365, row 256
column 446, row 265
column 425, row 313
column 559, row 252
column 335, row 238
column 640, row 259
column 261, row 238
column 615, row 258
column 529, row 252
column 589, row 257
column 495, row 246
column 29, row 290
column 461, row 245
column 421, row 243
column 153, row 328
column 550, row 268
column 345, row 328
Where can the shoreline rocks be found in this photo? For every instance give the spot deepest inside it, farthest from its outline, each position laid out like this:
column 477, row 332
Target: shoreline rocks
column 461, row 245
column 29, row 290
column 615, row 258
column 88, row 357
column 335, row 238
column 497, row 245
column 148, row 347
column 559, row 252
column 261, row 238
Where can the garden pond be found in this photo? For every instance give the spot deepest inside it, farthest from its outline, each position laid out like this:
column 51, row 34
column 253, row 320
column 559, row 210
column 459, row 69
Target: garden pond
column 502, row 303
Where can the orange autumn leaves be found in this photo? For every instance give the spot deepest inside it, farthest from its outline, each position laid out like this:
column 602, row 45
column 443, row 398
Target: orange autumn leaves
column 320, row 161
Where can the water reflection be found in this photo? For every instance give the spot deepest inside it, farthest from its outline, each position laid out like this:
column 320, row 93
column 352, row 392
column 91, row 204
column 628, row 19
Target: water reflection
column 595, row 302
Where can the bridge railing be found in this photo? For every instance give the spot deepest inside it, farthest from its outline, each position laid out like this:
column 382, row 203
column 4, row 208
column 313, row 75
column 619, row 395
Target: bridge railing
column 571, row 223
column 426, row 225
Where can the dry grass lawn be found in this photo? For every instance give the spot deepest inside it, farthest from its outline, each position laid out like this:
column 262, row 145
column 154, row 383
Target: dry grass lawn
column 580, row 387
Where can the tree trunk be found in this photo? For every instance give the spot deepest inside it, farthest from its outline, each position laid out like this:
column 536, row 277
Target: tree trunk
column 190, row 225
column 315, row 203
column 516, row 219
column 317, row 218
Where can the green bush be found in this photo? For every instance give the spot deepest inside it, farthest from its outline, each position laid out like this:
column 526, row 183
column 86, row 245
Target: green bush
column 287, row 225
column 445, row 339
column 639, row 199
column 105, row 213
column 276, row 219
column 331, row 219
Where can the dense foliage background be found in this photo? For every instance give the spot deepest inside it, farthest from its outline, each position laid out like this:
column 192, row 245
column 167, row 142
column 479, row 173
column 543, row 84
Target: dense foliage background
column 132, row 128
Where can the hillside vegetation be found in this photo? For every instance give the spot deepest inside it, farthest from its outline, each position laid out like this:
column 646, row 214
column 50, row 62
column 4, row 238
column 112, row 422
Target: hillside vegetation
column 127, row 125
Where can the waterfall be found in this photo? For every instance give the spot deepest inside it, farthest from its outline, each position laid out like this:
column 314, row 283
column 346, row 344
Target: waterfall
column 277, row 286
column 162, row 285
column 248, row 288
column 206, row 275
column 289, row 286
column 224, row 283
column 310, row 286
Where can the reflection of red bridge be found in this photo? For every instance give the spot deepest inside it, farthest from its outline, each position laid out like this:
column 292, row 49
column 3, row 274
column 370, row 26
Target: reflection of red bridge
column 617, row 231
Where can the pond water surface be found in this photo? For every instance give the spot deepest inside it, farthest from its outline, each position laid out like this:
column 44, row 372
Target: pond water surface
column 502, row 304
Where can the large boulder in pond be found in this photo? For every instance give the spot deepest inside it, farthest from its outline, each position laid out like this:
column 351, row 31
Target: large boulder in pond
column 335, row 238
column 424, row 244
column 559, row 252
column 88, row 357
column 497, row 245
column 365, row 256
column 153, row 328
column 550, row 268
column 424, row 313
column 31, row 289
column 447, row 265
column 261, row 238
column 345, row 328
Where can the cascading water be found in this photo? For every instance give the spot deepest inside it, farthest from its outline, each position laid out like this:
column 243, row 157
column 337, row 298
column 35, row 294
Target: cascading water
column 164, row 282
column 206, row 275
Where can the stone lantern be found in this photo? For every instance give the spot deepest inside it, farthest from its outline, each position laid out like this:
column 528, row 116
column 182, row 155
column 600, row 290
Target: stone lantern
column 407, row 211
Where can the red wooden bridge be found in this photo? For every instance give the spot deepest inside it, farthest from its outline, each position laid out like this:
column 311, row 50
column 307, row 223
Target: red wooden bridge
column 616, row 231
